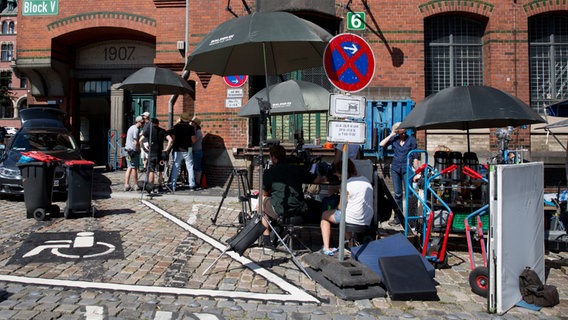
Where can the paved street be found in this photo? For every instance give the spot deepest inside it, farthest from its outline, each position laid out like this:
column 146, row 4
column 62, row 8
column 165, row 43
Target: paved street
column 144, row 257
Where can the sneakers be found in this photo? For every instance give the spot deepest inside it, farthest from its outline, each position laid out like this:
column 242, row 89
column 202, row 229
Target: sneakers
column 330, row 252
column 127, row 188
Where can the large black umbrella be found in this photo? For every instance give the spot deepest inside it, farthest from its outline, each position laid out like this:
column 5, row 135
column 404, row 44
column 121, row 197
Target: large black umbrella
column 470, row 107
column 262, row 43
column 288, row 97
column 157, row 81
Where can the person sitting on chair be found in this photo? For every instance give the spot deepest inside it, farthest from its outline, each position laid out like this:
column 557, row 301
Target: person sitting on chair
column 359, row 209
column 283, row 195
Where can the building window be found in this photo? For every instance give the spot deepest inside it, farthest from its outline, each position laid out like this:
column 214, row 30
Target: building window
column 6, row 104
column 23, row 81
column 454, row 52
column 11, row 27
column 548, row 56
column 6, row 54
column 4, row 27
column 11, row 5
column 96, row 86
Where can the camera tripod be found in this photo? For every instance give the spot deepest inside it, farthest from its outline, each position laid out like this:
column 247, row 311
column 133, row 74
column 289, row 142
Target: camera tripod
column 244, row 195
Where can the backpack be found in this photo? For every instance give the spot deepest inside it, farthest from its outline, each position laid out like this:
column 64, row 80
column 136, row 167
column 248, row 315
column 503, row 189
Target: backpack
column 535, row 292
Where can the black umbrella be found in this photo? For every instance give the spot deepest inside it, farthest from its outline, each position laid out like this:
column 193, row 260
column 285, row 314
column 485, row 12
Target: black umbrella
column 288, row 97
column 470, row 107
column 262, row 43
column 157, row 81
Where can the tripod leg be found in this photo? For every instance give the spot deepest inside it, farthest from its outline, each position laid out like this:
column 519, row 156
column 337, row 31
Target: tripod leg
column 214, row 262
column 214, row 219
column 296, row 262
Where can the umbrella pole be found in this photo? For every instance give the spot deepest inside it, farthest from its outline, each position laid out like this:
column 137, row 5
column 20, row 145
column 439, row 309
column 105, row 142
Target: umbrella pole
column 263, row 115
column 468, row 140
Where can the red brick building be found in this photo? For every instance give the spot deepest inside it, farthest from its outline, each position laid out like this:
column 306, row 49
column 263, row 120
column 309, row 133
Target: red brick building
column 14, row 83
column 76, row 53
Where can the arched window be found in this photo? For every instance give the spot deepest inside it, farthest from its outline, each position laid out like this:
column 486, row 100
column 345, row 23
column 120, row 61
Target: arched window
column 4, row 27
column 548, row 57
column 11, row 27
column 454, row 52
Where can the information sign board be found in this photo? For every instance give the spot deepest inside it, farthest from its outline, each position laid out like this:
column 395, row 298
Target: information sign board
column 346, row 131
column 347, row 106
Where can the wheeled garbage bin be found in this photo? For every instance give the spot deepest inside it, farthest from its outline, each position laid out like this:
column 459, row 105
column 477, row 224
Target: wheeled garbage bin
column 79, row 187
column 37, row 178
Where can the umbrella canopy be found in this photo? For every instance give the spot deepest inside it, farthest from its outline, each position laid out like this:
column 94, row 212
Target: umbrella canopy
column 157, row 81
column 239, row 46
column 470, row 107
column 292, row 96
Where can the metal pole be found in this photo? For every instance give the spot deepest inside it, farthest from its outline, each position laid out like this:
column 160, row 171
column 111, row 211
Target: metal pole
column 263, row 115
column 343, row 200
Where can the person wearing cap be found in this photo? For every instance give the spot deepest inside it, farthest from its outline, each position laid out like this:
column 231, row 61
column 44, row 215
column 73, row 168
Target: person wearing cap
column 157, row 154
column 197, row 151
column 132, row 154
column 402, row 144
column 146, row 120
column 183, row 135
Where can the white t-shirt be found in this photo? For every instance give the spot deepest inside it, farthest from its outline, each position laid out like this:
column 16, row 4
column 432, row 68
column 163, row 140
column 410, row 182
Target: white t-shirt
column 359, row 201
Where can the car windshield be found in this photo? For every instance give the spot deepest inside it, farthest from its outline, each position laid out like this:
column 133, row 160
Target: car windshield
column 43, row 141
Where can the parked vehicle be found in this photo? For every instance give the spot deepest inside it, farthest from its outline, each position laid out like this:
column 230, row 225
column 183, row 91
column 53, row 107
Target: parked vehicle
column 42, row 130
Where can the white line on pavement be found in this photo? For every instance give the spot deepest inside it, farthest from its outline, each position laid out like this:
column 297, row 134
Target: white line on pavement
column 296, row 294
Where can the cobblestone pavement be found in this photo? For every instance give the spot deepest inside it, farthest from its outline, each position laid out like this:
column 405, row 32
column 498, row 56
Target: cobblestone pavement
column 166, row 243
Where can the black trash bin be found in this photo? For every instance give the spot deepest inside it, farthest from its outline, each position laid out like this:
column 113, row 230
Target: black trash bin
column 37, row 178
column 79, row 187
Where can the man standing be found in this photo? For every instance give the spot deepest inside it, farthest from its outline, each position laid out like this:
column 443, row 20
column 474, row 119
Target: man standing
column 183, row 134
column 132, row 154
column 156, row 151
column 143, row 154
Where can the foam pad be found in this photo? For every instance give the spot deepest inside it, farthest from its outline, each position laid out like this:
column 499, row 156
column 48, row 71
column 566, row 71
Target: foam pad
column 405, row 278
column 395, row 245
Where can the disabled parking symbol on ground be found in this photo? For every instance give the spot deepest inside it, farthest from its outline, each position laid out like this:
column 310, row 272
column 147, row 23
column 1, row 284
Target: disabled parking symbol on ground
column 83, row 240
column 62, row 246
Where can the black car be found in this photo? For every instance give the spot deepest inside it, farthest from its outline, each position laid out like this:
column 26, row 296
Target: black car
column 42, row 130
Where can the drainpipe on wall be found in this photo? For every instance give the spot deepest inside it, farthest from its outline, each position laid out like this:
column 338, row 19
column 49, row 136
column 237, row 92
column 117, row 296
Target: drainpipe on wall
column 185, row 73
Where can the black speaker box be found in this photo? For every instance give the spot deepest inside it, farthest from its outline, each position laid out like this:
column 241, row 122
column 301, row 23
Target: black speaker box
column 406, row 278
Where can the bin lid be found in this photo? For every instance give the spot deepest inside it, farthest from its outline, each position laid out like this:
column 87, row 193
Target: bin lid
column 40, row 156
column 70, row 163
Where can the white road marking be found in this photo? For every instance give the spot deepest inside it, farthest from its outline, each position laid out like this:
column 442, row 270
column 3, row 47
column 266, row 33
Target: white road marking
column 163, row 315
column 295, row 294
column 94, row 313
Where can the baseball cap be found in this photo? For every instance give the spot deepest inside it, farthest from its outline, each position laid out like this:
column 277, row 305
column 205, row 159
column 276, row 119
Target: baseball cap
column 139, row 118
column 146, row 114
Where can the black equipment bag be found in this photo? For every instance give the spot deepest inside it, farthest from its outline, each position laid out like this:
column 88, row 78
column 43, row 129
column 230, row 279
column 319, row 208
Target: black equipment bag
column 535, row 292
column 248, row 235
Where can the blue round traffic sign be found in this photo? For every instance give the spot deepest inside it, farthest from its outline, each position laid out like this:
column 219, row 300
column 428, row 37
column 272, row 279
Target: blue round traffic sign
column 235, row 81
column 349, row 62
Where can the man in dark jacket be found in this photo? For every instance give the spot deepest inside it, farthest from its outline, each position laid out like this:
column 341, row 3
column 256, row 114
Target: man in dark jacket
column 157, row 154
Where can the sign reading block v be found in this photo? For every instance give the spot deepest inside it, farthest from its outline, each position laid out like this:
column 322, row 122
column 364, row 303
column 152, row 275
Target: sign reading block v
column 40, row 7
